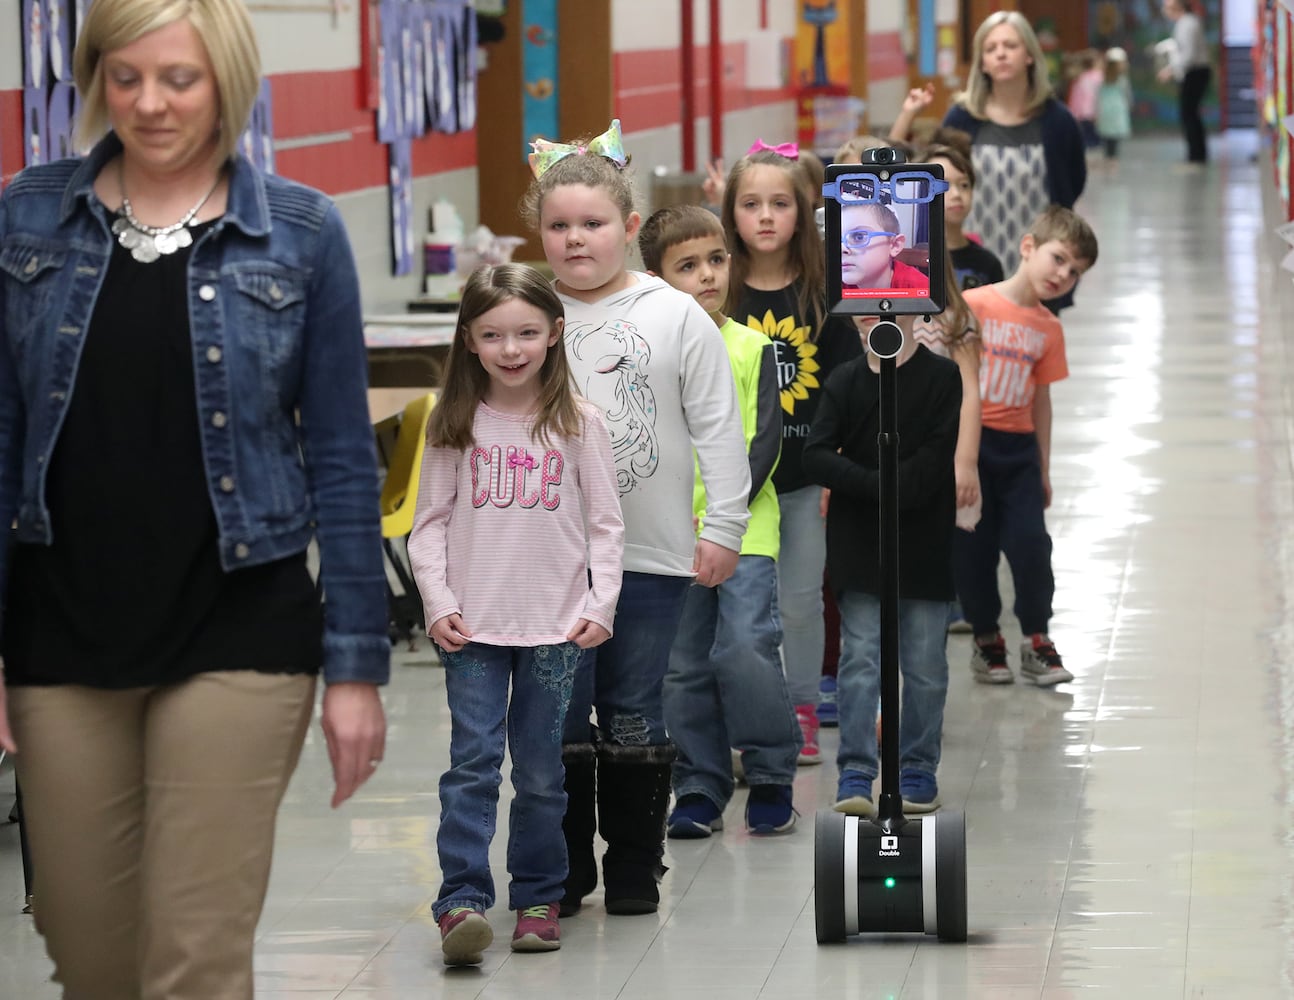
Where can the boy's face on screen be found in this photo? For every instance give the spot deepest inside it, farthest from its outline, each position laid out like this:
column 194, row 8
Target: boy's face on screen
column 700, row 268
column 1052, row 267
column 867, row 247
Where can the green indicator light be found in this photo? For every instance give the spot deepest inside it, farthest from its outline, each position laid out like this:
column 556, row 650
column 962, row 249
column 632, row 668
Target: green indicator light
column 889, row 883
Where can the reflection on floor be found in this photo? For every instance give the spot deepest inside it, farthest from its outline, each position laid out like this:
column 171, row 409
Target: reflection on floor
column 1127, row 832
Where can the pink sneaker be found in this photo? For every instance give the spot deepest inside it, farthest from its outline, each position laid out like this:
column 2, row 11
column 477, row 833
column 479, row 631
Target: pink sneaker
column 537, row 929
column 807, row 717
column 464, row 934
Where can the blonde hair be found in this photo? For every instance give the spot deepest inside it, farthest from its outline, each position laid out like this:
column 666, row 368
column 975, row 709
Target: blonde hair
column 225, row 29
column 978, row 84
column 804, row 252
column 466, row 380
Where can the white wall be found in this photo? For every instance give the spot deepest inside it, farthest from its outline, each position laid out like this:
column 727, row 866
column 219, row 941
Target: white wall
column 10, row 45
column 297, row 42
column 654, row 24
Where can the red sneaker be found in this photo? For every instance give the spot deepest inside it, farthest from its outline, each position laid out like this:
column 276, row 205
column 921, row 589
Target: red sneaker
column 464, row 934
column 807, row 717
column 537, row 929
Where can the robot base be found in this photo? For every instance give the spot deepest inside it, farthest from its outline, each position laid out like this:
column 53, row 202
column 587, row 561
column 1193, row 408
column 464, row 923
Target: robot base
column 903, row 877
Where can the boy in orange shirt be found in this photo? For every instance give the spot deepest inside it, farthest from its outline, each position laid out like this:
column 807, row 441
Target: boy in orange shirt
column 1023, row 352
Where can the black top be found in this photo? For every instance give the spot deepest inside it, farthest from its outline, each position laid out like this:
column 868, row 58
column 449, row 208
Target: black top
column 131, row 592
column 929, row 393
column 805, row 358
column 976, row 266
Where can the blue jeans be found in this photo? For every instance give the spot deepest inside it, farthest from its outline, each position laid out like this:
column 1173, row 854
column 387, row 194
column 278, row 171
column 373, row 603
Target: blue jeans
column 799, row 591
column 620, row 681
column 476, row 683
column 923, row 665
column 1010, row 476
column 725, row 687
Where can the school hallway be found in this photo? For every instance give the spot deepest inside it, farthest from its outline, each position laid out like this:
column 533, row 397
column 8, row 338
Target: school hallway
column 1128, row 834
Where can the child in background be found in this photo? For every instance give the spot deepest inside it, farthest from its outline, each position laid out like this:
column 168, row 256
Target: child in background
column 1114, row 104
column 1023, row 353
column 974, row 264
column 1082, row 95
column 725, row 686
column 778, row 287
column 515, row 463
column 653, row 360
column 841, row 455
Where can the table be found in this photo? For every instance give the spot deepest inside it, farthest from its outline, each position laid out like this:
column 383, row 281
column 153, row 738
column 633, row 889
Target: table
column 408, row 351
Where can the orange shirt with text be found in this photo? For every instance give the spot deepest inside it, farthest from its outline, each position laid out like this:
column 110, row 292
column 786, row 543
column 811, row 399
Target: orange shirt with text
column 1022, row 347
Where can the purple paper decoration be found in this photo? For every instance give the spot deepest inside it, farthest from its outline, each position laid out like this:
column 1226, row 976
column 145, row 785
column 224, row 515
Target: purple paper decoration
column 35, row 123
column 59, row 122
column 58, row 21
column 401, row 185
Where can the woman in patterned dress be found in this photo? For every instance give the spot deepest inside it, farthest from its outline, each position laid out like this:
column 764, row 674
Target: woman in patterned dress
column 1025, row 145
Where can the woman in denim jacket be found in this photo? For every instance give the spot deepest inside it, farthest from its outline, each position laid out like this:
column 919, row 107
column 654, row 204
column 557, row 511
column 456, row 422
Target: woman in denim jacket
column 182, row 409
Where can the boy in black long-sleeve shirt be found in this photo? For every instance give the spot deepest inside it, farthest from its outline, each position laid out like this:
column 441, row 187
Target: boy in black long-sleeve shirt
column 842, row 454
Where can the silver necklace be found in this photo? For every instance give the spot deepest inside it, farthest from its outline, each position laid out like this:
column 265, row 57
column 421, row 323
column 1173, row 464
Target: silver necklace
column 147, row 243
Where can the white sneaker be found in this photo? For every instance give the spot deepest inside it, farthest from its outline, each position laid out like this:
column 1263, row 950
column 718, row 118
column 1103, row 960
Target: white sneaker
column 1040, row 662
column 988, row 660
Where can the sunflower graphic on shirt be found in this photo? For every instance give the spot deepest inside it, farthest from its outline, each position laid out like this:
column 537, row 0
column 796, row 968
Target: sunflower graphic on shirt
column 796, row 368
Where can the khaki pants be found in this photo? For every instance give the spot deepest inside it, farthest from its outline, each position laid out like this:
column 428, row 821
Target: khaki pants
column 151, row 815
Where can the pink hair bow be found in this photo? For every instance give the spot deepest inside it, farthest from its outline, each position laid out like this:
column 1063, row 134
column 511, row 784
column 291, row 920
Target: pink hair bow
column 790, row 150
column 609, row 144
column 521, row 459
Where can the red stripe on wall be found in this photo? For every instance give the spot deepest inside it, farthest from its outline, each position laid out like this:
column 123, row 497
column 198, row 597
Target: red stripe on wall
column 885, row 56
column 306, row 104
column 649, row 87
column 11, row 153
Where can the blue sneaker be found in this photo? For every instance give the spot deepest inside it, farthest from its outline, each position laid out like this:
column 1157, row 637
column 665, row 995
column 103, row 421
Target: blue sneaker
column 828, row 711
column 919, row 790
column 769, row 810
column 854, row 794
column 693, row 818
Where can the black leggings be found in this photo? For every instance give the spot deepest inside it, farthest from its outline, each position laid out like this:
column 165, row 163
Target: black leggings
column 1189, row 96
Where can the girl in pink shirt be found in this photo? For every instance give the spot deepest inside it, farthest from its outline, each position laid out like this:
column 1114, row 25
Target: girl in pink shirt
column 516, row 547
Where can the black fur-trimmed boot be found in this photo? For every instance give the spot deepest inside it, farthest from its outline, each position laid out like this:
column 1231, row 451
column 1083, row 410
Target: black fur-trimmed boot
column 579, row 824
column 633, row 798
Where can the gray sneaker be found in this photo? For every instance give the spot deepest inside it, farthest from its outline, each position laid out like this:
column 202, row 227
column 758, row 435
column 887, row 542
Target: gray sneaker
column 1040, row 662
column 988, row 660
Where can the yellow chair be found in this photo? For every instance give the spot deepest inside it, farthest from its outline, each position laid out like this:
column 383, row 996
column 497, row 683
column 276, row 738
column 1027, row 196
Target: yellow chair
column 400, row 488
column 399, row 498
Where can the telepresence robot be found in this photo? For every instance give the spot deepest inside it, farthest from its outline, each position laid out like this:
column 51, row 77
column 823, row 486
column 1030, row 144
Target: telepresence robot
column 890, row 874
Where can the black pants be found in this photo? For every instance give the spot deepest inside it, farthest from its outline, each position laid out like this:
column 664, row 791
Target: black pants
column 1010, row 479
column 1189, row 96
column 1111, row 149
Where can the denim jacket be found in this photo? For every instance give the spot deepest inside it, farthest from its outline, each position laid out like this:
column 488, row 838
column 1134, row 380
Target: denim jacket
column 280, row 369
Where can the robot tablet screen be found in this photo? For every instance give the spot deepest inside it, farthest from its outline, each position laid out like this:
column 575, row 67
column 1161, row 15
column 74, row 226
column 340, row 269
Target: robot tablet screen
column 885, row 236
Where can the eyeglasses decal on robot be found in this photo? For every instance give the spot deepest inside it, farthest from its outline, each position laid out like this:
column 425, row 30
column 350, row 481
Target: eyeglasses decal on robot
column 905, row 187
column 859, row 239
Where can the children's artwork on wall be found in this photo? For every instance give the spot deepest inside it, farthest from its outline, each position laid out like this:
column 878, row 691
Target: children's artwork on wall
column 257, row 141
column 59, row 128
column 34, row 45
column 35, row 127
column 401, row 184
column 539, row 73
column 58, row 19
column 390, row 113
column 446, row 61
column 822, row 46
column 466, row 71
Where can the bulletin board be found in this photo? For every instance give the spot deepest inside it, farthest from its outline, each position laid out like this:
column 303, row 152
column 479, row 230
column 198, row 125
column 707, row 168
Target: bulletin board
column 1274, row 81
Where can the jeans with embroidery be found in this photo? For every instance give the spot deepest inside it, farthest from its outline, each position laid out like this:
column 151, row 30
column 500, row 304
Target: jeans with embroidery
column 477, row 679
